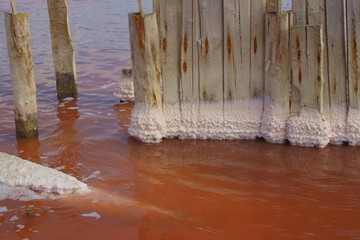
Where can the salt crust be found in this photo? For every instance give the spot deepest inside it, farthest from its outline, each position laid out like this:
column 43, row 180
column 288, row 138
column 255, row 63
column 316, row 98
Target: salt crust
column 20, row 178
column 273, row 124
column 147, row 123
column 353, row 126
column 308, row 129
column 125, row 90
column 338, row 116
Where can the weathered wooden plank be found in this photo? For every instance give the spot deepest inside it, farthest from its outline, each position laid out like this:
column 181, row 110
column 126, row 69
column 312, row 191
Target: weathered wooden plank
column 22, row 73
column 257, row 47
column 277, row 78
column 337, row 69
column 273, row 6
column 243, row 79
column 309, row 128
column 317, row 16
column 62, row 49
column 147, row 120
column 211, row 68
column 299, row 8
column 188, row 97
column 257, row 61
column 170, row 38
column 353, row 43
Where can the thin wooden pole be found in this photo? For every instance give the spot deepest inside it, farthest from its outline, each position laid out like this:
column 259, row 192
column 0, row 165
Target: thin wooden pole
column 62, row 49
column 13, row 7
column 22, row 74
column 141, row 8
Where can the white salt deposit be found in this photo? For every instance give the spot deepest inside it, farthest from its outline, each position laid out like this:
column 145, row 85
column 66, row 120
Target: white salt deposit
column 14, row 218
column 93, row 215
column 273, row 126
column 125, row 90
column 353, row 126
column 338, row 116
column 20, row 178
column 147, row 123
column 3, row 209
column 308, row 129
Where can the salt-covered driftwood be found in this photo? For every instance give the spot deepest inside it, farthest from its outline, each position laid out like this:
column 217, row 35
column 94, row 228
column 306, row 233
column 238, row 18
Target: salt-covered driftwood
column 147, row 120
column 22, row 73
column 62, row 49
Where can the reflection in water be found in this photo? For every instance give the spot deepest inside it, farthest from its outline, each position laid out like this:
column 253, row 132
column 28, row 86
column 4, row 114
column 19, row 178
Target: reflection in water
column 173, row 190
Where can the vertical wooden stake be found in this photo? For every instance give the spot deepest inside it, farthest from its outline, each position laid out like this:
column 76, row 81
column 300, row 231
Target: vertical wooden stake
column 141, row 8
column 13, row 7
column 22, row 72
column 147, row 120
column 62, row 49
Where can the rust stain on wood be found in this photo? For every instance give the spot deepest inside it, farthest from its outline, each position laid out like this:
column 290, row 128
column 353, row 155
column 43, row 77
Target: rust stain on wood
column 206, row 45
column 334, row 84
column 141, row 37
column 205, row 95
column 154, row 98
column 255, row 45
column 229, row 44
column 164, row 44
column 185, row 43
column 299, row 58
column 355, row 61
column 185, row 66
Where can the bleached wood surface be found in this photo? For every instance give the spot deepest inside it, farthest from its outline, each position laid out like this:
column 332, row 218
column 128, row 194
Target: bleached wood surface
column 277, row 77
column 337, row 69
column 62, row 49
column 22, row 73
column 147, row 123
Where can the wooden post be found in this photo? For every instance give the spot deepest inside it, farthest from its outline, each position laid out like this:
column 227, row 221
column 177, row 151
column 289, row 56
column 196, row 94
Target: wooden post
column 273, row 6
column 353, row 51
column 62, row 49
column 257, row 62
column 299, row 18
column 22, row 72
column 277, row 77
column 147, row 120
column 170, row 42
column 189, row 95
column 211, row 69
column 309, row 127
column 317, row 16
column 337, row 69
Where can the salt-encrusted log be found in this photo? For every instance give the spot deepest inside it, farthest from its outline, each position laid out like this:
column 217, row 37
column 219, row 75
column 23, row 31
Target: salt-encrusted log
column 309, row 127
column 273, row 6
column 22, row 73
column 125, row 90
column 147, row 120
column 257, row 61
column 170, row 38
column 317, row 16
column 337, row 69
column 189, row 94
column 211, row 69
column 299, row 18
column 277, row 78
column 62, row 49
column 353, row 38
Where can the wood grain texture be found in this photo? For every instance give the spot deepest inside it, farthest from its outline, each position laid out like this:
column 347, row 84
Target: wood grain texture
column 62, row 49
column 22, row 74
column 273, row 6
